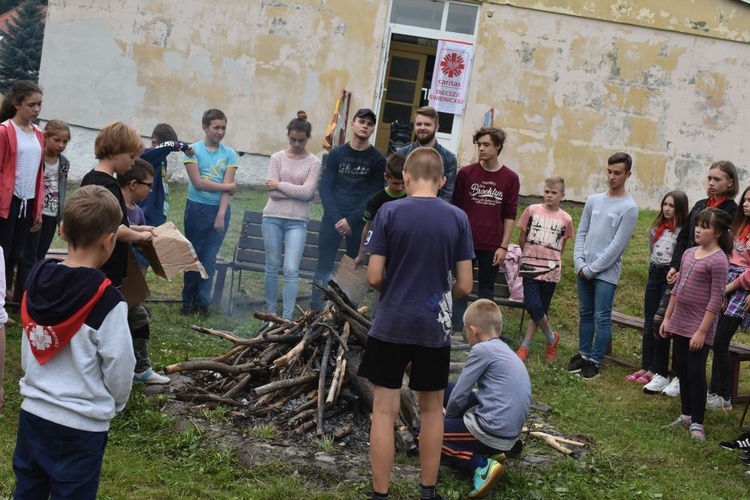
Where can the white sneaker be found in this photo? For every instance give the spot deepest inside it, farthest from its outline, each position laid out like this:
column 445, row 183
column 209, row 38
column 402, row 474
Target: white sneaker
column 716, row 402
column 150, row 377
column 657, row 384
column 673, row 389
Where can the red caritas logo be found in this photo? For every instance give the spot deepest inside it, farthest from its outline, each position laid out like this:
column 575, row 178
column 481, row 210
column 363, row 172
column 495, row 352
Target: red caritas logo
column 452, row 65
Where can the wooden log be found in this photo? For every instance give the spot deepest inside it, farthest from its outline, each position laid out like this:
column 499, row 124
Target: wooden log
column 342, row 304
column 295, row 351
column 360, row 332
column 228, row 355
column 456, row 367
column 322, row 386
column 242, row 341
column 239, row 387
column 338, row 373
column 213, row 366
column 342, row 432
column 360, row 385
column 264, row 316
column 202, row 398
column 284, row 384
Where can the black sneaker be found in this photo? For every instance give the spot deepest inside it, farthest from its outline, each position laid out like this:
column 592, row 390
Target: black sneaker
column 576, row 363
column 745, row 457
column 741, row 443
column 590, row 370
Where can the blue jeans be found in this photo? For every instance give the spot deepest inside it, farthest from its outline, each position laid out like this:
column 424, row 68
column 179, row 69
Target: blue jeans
column 328, row 244
column 537, row 296
column 199, row 229
column 595, row 299
column 292, row 234
column 52, row 459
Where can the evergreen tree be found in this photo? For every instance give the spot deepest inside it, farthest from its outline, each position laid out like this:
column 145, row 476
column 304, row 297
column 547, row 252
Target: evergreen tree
column 21, row 45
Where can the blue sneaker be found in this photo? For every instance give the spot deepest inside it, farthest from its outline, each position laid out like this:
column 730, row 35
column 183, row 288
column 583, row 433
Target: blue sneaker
column 150, row 377
column 486, row 477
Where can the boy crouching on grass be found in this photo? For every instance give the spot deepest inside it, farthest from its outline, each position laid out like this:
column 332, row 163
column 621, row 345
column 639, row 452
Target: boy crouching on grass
column 422, row 239
column 488, row 422
column 76, row 356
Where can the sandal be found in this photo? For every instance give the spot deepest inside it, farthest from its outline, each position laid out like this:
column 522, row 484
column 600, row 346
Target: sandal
column 643, row 379
column 634, row 376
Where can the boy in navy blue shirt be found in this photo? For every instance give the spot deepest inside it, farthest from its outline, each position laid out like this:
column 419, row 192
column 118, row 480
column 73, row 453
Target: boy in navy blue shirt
column 425, row 243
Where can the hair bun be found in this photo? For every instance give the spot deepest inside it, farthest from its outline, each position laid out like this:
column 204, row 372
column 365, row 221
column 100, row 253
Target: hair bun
column 302, row 115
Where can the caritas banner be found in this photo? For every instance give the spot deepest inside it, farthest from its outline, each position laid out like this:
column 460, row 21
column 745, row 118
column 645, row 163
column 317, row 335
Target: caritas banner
column 450, row 80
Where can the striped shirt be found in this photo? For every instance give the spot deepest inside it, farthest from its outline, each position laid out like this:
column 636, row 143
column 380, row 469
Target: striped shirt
column 700, row 288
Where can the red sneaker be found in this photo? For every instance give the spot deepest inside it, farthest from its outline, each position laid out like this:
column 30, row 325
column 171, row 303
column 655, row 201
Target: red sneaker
column 551, row 352
column 523, row 353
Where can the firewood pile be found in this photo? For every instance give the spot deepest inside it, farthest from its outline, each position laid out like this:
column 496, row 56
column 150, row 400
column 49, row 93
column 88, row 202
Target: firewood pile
column 298, row 375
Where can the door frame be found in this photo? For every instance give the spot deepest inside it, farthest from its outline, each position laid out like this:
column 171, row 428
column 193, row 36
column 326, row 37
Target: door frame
column 450, row 141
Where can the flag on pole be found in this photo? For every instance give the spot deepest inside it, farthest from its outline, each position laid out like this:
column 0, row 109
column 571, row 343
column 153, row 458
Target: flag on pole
column 489, row 118
column 450, row 78
column 336, row 130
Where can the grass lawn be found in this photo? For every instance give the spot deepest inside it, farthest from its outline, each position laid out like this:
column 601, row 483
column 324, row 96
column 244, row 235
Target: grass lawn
column 148, row 456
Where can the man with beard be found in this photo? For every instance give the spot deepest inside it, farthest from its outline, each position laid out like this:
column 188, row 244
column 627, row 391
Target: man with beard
column 426, row 124
column 351, row 175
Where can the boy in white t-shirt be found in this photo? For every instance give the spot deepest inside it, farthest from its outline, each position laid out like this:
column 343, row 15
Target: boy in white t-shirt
column 545, row 228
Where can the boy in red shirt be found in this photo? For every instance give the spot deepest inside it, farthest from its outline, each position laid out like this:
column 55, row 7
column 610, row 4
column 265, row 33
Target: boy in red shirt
column 488, row 192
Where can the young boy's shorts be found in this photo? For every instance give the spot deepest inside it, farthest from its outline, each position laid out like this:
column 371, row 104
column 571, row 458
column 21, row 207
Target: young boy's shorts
column 537, row 296
column 383, row 364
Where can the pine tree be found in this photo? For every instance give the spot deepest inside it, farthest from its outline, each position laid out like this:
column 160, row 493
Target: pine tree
column 21, row 45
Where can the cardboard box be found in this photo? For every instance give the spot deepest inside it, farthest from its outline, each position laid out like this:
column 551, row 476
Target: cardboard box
column 169, row 253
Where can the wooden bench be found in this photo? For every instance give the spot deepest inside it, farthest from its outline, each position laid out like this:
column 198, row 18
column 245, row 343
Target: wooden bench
column 737, row 352
column 249, row 255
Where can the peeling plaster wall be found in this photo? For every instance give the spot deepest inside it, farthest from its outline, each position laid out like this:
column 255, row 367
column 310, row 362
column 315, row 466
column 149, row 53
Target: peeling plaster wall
column 259, row 61
column 568, row 85
column 571, row 91
column 725, row 19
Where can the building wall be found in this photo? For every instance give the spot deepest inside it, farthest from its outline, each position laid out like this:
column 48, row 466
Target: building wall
column 571, row 80
column 259, row 61
column 570, row 91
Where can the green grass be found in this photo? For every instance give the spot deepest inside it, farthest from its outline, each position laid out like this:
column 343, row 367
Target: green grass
column 150, row 456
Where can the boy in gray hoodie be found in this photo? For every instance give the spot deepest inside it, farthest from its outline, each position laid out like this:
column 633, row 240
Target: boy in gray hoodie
column 76, row 355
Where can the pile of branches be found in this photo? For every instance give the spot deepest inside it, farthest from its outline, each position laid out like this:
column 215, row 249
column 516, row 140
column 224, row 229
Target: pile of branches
column 297, row 374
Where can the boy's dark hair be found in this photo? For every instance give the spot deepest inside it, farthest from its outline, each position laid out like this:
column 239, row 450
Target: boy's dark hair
column 484, row 315
column 18, row 92
column 163, row 132
column 429, row 112
column 55, row 127
column 139, row 172
column 90, row 213
column 496, row 134
column 728, row 168
column 117, row 138
column 300, row 124
column 621, row 158
column 720, row 221
column 394, row 166
column 211, row 115
column 425, row 163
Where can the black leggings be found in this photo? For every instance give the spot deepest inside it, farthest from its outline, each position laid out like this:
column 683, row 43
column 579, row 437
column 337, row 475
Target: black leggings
column 721, row 370
column 691, row 366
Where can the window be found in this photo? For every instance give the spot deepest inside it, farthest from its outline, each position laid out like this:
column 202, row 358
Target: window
column 440, row 15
